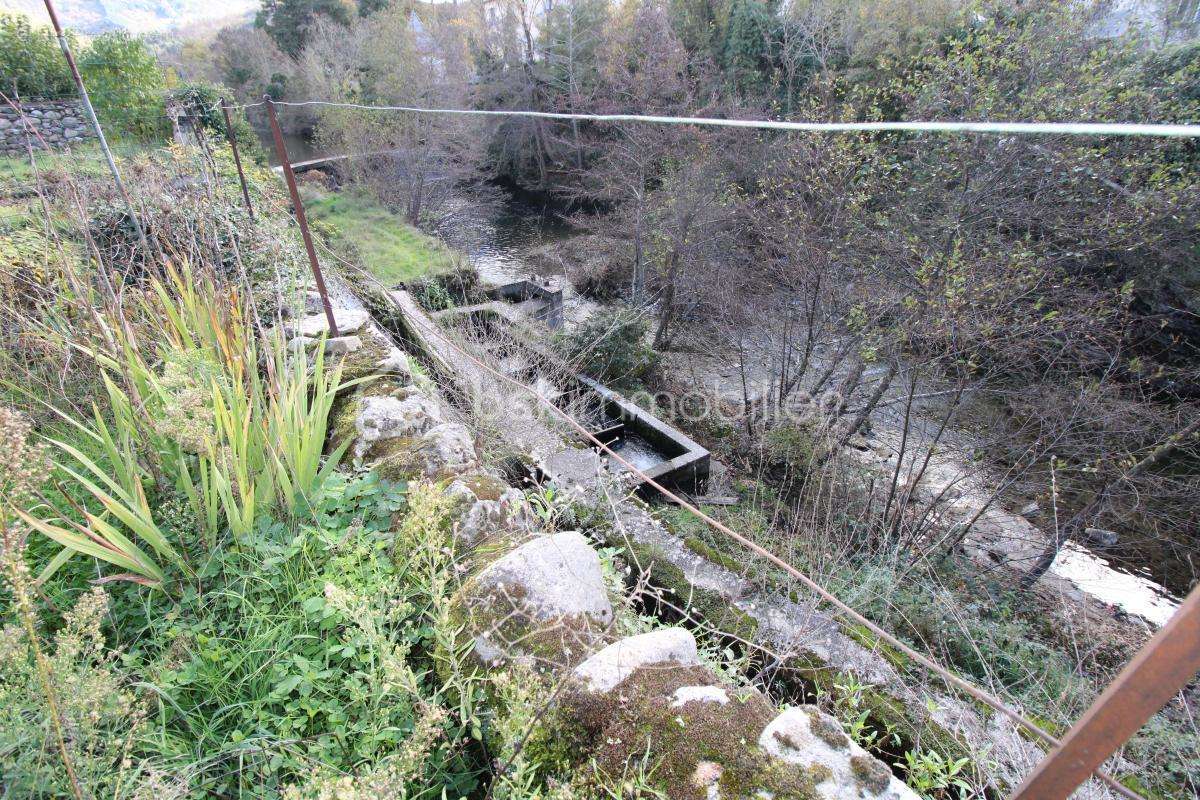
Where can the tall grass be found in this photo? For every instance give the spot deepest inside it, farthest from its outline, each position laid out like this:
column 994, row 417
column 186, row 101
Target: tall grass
column 200, row 406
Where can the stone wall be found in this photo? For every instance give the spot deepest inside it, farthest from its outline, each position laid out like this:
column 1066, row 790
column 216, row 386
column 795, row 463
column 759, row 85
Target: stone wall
column 58, row 124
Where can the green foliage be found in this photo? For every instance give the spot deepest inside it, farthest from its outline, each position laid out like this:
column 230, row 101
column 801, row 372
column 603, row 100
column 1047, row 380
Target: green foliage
column 203, row 100
column 31, row 57
column 125, row 84
column 377, row 239
column 290, row 22
column 232, row 443
column 748, row 53
column 306, row 655
column 935, row 776
column 611, row 348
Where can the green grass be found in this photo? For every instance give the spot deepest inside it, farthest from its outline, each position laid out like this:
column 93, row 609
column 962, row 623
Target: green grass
column 381, row 241
column 84, row 159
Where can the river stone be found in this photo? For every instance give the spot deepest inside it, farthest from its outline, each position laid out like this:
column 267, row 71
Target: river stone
column 382, row 418
column 349, row 320
column 612, row 665
column 807, row 737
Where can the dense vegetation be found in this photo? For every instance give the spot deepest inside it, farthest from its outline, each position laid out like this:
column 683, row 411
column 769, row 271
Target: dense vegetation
column 199, row 601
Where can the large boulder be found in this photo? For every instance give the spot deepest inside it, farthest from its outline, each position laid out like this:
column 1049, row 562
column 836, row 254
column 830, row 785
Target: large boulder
column 381, row 418
column 545, row 601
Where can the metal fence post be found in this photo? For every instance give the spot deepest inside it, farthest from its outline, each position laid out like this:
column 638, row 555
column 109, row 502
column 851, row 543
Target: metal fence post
column 237, row 159
column 1161, row 668
column 91, row 114
column 301, row 219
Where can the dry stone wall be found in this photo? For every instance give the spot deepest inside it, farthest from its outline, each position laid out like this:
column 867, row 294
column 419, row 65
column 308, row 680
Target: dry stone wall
column 54, row 124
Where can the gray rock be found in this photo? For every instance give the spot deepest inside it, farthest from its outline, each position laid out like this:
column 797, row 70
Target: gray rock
column 807, row 737
column 395, row 363
column 612, row 665
column 447, row 449
column 349, row 320
column 488, row 517
column 1101, row 537
column 574, row 470
column 382, row 418
column 1031, row 509
column 342, row 345
column 551, row 578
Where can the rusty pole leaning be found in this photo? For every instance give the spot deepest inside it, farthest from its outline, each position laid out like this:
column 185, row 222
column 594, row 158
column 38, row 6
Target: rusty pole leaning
column 301, row 219
column 91, row 114
column 1161, row 668
column 237, row 159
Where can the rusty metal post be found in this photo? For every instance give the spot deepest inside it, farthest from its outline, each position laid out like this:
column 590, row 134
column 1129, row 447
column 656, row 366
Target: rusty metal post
column 91, row 114
column 298, row 207
column 1161, row 668
column 237, row 159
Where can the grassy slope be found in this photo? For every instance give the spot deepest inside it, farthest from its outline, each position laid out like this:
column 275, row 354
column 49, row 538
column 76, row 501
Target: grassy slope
column 382, row 242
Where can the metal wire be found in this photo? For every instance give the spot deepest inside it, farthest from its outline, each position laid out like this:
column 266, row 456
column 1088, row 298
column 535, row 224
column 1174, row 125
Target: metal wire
column 1017, row 128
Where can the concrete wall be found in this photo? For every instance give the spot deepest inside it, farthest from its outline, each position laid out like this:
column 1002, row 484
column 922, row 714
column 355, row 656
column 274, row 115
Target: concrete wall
column 56, row 124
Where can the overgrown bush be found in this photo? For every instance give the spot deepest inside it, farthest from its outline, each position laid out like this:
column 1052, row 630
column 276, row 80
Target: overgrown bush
column 611, row 348
column 202, row 101
column 126, row 85
column 31, row 60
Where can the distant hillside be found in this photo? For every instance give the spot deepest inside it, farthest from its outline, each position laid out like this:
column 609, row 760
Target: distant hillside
column 139, row 16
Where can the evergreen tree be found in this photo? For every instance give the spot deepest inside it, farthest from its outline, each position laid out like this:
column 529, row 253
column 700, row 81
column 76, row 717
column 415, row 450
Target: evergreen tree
column 290, row 22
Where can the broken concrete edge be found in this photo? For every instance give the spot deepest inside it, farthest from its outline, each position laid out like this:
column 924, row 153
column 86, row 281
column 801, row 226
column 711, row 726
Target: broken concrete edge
column 541, row 598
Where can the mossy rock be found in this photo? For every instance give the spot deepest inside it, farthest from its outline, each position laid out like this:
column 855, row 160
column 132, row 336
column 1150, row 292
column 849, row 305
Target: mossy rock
column 685, row 748
column 364, row 361
column 485, row 487
column 704, row 605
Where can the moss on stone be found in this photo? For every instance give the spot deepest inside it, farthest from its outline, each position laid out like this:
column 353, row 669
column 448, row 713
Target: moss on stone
column 485, row 487
column 716, row 556
column 342, row 418
column 705, row 605
column 637, row 721
column 365, row 360
column 504, row 620
column 395, row 459
column 864, row 636
column 870, row 773
column 829, row 731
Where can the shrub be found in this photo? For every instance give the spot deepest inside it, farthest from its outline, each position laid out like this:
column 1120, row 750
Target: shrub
column 31, row 57
column 203, row 101
column 612, row 348
column 125, row 84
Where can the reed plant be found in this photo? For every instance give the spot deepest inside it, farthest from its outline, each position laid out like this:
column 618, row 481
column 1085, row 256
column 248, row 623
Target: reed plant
column 202, row 404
